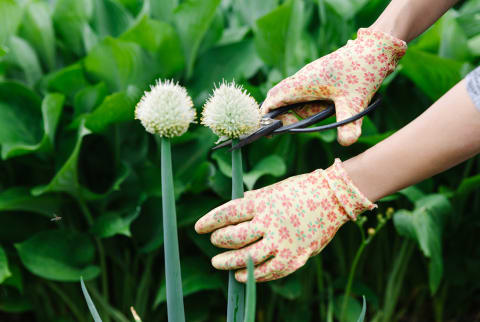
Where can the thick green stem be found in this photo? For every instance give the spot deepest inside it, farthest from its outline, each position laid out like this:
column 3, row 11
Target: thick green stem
column 173, row 276
column 236, row 290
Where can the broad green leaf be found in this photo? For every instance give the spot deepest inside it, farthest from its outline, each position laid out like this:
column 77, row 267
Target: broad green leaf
column 11, row 13
column 21, row 54
column 20, row 117
column 347, row 8
column 59, row 255
column 4, row 270
column 16, row 226
column 278, row 34
column 110, row 18
column 251, row 10
column 352, row 311
column 119, row 64
column 37, row 28
column 425, row 225
column 453, row 41
column 238, row 61
column 412, row 193
column 88, row 98
column 113, row 223
column 197, row 275
column 52, row 106
column 192, row 19
column 70, row 20
column 68, row 80
column 88, row 299
column 214, row 33
column 432, row 74
column 164, row 9
column 468, row 185
column 66, row 179
column 272, row 165
column 115, row 108
column 20, row 199
column 161, row 41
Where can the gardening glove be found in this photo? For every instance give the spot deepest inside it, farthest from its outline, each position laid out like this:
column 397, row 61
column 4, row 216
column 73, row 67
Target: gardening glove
column 281, row 226
column 349, row 77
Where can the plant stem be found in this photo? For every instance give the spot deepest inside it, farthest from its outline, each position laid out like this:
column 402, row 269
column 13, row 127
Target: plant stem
column 350, row 278
column 251, row 294
column 320, row 286
column 236, row 290
column 173, row 276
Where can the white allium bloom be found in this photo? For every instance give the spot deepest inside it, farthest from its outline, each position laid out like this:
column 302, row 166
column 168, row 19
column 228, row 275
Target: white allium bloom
column 231, row 112
column 166, row 109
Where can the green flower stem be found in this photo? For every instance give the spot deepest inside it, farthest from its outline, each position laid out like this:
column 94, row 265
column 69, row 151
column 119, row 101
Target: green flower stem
column 251, row 294
column 173, row 276
column 236, row 290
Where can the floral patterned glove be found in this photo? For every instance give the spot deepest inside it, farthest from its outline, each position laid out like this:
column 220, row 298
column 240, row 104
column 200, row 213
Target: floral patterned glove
column 283, row 224
column 349, row 76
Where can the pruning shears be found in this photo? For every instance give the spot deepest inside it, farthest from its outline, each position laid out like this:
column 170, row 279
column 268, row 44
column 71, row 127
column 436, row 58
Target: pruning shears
column 270, row 126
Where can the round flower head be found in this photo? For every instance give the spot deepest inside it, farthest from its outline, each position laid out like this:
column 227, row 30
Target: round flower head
column 231, row 112
column 166, row 109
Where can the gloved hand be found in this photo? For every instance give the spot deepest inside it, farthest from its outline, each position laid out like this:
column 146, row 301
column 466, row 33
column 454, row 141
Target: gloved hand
column 349, row 76
column 295, row 219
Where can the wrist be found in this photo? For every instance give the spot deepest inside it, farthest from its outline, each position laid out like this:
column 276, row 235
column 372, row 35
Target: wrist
column 350, row 198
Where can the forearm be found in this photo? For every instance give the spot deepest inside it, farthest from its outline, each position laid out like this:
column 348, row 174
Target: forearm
column 406, row 19
column 445, row 135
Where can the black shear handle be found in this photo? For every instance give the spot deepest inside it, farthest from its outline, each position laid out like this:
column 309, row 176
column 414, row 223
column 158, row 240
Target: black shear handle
column 296, row 129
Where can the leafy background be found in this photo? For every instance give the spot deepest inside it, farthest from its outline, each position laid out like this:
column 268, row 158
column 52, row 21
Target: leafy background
column 70, row 75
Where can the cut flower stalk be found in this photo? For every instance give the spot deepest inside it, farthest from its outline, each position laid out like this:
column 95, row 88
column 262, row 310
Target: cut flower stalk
column 236, row 290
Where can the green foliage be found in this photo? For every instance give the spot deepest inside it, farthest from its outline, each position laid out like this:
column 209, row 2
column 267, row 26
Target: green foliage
column 71, row 73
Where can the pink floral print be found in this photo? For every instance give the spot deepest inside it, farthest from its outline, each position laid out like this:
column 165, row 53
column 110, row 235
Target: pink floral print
column 349, row 77
column 281, row 226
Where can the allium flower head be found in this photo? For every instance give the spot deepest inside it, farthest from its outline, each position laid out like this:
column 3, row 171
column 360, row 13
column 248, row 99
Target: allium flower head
column 231, row 112
column 166, row 109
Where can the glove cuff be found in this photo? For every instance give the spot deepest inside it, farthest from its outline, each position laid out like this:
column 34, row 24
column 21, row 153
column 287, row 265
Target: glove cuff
column 347, row 194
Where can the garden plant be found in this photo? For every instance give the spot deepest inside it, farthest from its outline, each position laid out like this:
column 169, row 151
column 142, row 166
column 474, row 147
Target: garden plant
column 81, row 179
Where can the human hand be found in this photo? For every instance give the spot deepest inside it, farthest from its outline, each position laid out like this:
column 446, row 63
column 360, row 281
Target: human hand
column 349, row 77
column 283, row 225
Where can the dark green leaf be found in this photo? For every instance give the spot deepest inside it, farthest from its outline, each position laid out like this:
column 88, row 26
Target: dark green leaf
column 88, row 98
column 68, row 80
column 4, row 270
column 289, row 288
column 110, row 18
column 20, row 199
column 59, row 255
column 272, row 165
column 11, row 300
column 113, row 223
column 192, row 19
column 352, row 311
column 37, row 28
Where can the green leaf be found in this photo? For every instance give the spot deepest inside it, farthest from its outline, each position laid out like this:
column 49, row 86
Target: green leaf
column 20, row 199
column 110, row 18
column 412, row 193
column 119, row 64
column 4, row 271
column 115, row 108
column 88, row 98
column 11, row 13
column 432, row 74
column 21, row 54
column 197, row 275
column 352, row 311
column 192, row 19
column 468, row 185
column 147, row 229
column 425, row 225
column 66, row 179
column 59, row 255
column 161, row 41
column 37, row 28
column 250, row 10
column 453, row 41
column 12, row 301
column 88, row 299
column 347, row 8
column 272, row 165
column 68, row 80
column 237, row 61
column 71, row 19
column 113, row 223
column 278, row 35
column 193, row 208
